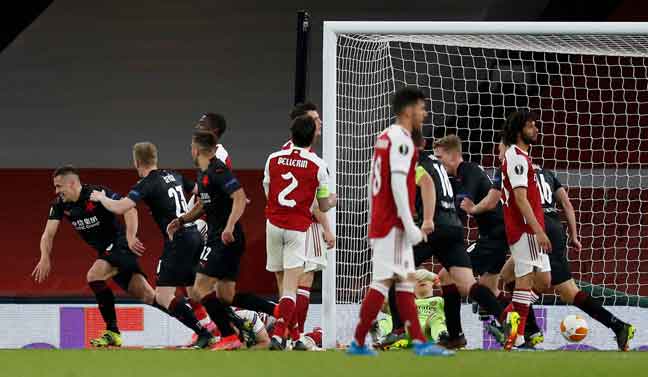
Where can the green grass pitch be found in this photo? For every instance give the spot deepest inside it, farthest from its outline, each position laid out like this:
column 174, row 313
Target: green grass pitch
column 189, row 363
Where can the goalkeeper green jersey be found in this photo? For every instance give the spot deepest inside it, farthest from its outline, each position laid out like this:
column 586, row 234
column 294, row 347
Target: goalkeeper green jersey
column 431, row 318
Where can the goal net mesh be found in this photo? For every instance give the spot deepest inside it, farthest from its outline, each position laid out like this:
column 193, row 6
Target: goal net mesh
column 590, row 93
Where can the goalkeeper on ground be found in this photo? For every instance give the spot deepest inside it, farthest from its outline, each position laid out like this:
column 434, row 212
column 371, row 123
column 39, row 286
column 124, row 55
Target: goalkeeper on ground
column 429, row 307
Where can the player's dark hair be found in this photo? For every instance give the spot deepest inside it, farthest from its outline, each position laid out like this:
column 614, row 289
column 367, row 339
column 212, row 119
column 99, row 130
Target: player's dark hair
column 405, row 97
column 213, row 122
column 514, row 124
column 303, row 131
column 204, row 140
column 65, row 170
column 301, row 109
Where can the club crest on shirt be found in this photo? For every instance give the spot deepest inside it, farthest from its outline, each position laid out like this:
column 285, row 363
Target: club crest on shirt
column 205, row 180
column 403, row 149
column 518, row 169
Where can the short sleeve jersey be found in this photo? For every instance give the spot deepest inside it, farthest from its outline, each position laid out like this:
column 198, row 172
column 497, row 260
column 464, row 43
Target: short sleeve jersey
column 163, row 191
column 215, row 185
column 97, row 226
column 474, row 183
column 293, row 177
column 517, row 171
column 444, row 210
column 548, row 184
column 394, row 152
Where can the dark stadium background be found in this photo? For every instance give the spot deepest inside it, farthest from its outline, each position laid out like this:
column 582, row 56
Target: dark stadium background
column 82, row 81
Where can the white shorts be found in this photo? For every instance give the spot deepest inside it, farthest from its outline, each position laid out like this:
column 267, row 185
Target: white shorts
column 392, row 255
column 528, row 256
column 285, row 248
column 315, row 248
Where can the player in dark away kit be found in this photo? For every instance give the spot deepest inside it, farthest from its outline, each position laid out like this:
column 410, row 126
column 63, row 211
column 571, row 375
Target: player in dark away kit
column 117, row 249
column 163, row 192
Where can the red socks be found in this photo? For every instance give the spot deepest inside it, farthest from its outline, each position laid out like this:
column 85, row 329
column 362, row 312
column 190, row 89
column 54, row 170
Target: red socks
column 522, row 300
column 286, row 312
column 371, row 305
column 408, row 312
column 303, row 300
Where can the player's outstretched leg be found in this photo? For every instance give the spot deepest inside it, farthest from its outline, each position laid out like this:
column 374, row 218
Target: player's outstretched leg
column 570, row 294
column 203, row 292
column 178, row 307
column 254, row 303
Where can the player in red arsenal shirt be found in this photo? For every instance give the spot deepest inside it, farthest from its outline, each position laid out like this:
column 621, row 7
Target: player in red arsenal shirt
column 524, row 221
column 293, row 179
column 319, row 238
column 392, row 231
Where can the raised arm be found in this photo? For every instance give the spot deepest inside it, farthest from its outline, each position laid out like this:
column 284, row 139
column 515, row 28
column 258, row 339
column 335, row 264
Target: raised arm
column 487, row 204
column 194, row 213
column 119, row 206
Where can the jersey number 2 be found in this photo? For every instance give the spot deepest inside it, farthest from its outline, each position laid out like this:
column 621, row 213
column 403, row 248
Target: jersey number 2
column 285, row 192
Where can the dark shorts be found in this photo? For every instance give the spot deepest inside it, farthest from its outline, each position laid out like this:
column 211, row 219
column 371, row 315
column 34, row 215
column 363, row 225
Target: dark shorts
column 120, row 256
column 488, row 254
column 177, row 266
column 221, row 261
column 560, row 271
column 446, row 244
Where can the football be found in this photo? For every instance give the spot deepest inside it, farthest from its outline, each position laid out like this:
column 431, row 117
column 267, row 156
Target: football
column 574, row 328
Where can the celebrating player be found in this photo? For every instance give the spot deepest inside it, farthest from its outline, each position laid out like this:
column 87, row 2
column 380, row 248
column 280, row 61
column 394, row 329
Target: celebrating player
column 223, row 199
column 163, row 192
column 551, row 193
column 472, row 185
column 216, row 124
column 293, row 178
column 392, row 230
column 99, row 228
column 320, row 230
column 524, row 220
column 447, row 245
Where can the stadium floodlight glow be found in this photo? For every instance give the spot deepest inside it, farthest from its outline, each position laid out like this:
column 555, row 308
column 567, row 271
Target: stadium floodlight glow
column 588, row 84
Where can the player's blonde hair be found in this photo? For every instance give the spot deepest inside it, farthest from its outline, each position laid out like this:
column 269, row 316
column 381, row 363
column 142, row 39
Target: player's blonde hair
column 451, row 143
column 145, row 153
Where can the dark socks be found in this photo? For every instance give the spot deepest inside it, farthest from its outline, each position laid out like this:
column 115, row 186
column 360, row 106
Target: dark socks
column 253, row 302
column 106, row 302
column 452, row 309
column 485, row 298
column 181, row 310
column 397, row 323
column 217, row 311
column 586, row 303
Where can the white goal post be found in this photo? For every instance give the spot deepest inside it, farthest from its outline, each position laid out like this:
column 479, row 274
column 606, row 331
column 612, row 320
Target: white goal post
column 588, row 82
